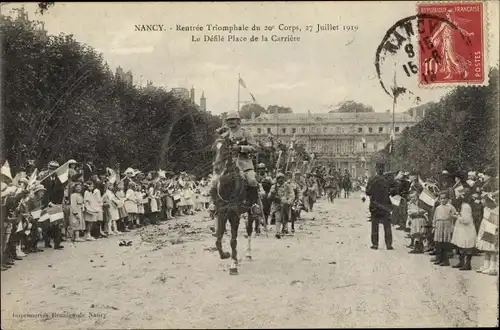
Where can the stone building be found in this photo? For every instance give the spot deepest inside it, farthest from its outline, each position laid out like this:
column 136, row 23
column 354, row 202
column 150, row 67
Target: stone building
column 127, row 77
column 346, row 140
column 203, row 102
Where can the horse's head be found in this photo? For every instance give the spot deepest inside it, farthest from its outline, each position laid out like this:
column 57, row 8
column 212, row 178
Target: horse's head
column 231, row 184
column 224, row 157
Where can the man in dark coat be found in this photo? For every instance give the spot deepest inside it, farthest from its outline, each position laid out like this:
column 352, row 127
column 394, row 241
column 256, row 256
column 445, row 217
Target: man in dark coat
column 54, row 195
column 378, row 189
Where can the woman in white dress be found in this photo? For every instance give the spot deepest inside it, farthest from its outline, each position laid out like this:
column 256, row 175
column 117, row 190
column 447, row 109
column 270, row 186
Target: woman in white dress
column 464, row 233
column 487, row 238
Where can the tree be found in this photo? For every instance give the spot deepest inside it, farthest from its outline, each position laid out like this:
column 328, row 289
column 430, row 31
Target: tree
column 352, row 106
column 247, row 110
column 62, row 102
column 44, row 6
column 460, row 132
column 420, row 109
column 272, row 109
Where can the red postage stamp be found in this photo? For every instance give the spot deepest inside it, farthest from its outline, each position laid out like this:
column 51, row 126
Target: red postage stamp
column 452, row 50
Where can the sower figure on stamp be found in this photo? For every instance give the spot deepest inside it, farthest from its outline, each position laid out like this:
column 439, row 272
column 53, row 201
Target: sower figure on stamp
column 378, row 189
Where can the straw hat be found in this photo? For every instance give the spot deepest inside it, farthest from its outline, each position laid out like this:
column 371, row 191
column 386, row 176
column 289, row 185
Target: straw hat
column 53, row 163
column 130, row 171
column 38, row 188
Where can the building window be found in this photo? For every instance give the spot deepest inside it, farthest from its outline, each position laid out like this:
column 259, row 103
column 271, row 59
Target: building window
column 370, row 130
column 294, row 130
column 397, row 129
column 324, row 129
column 303, row 130
column 283, row 130
column 259, row 130
column 360, row 129
column 380, row 129
column 268, row 130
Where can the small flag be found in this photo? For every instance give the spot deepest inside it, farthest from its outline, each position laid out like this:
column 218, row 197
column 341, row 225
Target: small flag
column 63, row 172
column 161, row 174
column 32, row 178
column 395, row 200
column 19, row 227
column 44, row 216
column 489, row 226
column 427, row 197
column 6, row 170
column 19, row 176
column 422, row 183
column 111, row 175
column 55, row 213
column 36, row 214
column 242, row 83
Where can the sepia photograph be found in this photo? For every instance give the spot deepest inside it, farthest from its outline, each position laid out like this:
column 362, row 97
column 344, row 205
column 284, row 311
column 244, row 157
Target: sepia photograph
column 216, row 165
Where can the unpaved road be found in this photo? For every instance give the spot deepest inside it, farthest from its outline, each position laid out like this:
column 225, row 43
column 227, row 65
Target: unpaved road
column 324, row 276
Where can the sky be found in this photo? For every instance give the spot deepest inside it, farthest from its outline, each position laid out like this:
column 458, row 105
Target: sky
column 313, row 74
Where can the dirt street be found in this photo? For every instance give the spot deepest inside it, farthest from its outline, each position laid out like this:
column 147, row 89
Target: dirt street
column 171, row 277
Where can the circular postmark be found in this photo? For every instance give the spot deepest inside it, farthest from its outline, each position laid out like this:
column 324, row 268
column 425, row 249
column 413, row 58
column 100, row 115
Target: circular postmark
column 413, row 53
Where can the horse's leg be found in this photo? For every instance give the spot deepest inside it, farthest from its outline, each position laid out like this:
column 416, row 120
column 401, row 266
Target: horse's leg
column 234, row 219
column 249, row 235
column 221, row 225
column 264, row 217
column 278, row 223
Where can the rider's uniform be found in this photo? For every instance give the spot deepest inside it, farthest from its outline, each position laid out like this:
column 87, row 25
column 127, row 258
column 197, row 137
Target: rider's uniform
column 244, row 161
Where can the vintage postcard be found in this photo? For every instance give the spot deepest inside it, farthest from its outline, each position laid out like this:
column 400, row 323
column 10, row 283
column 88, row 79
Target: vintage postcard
column 212, row 165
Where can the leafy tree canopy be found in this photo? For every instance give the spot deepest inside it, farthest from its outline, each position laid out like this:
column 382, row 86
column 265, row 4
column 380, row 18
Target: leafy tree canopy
column 247, row 110
column 458, row 133
column 352, row 106
column 62, row 102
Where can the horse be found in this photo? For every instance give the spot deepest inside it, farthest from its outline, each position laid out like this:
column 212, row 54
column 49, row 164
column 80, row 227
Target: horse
column 229, row 198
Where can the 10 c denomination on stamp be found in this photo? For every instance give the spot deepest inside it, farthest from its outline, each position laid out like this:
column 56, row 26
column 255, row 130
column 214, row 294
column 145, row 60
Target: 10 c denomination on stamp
column 453, row 50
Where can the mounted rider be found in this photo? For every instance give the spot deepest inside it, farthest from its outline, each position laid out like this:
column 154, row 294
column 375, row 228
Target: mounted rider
column 245, row 145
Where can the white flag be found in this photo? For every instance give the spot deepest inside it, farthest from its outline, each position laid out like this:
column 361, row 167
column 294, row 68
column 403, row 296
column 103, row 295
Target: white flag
column 55, row 213
column 427, row 197
column 6, row 170
column 32, row 178
column 63, row 172
column 44, row 216
column 242, row 83
column 111, row 175
column 395, row 200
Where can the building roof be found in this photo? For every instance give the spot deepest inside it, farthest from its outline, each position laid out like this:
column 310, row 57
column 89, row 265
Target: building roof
column 361, row 117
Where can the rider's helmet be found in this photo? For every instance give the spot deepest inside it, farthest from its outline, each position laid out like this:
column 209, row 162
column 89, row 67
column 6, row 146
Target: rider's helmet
column 261, row 166
column 53, row 164
column 233, row 115
column 233, row 119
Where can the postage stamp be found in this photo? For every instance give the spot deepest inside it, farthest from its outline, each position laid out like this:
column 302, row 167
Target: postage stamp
column 453, row 50
column 442, row 45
